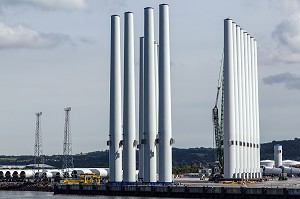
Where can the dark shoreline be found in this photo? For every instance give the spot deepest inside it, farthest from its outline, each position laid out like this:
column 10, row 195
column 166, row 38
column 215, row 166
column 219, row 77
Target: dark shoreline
column 27, row 186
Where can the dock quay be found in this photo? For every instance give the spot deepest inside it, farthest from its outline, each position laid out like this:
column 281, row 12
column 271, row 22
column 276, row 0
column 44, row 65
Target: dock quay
column 26, row 186
column 180, row 191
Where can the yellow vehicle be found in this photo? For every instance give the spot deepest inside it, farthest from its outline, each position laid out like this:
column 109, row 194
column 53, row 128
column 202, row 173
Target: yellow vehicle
column 238, row 182
column 84, row 178
column 229, row 182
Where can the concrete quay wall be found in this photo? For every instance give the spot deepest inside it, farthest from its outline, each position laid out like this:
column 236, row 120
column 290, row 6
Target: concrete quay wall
column 178, row 191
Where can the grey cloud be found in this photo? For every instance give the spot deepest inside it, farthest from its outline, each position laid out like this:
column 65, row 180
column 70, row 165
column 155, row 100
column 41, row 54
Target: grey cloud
column 24, row 37
column 46, row 4
column 116, row 5
column 87, row 40
column 285, row 57
column 287, row 33
column 290, row 4
column 289, row 80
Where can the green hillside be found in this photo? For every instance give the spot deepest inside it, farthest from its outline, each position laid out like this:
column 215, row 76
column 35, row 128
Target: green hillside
column 290, row 148
column 184, row 160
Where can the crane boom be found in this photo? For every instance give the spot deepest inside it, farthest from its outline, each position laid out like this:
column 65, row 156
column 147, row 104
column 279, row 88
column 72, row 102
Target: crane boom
column 218, row 124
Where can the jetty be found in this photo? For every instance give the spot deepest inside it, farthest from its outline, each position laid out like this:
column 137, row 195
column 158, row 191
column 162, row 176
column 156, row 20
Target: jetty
column 180, row 191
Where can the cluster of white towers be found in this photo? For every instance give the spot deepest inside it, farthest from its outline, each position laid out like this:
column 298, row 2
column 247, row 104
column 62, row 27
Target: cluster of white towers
column 241, row 110
column 155, row 133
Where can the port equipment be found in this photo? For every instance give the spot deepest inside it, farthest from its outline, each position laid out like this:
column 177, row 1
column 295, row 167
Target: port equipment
column 84, row 178
column 283, row 176
column 38, row 145
column 219, row 127
column 67, row 147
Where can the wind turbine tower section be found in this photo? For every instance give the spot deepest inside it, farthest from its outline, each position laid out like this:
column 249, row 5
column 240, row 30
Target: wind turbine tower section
column 241, row 111
column 115, row 117
column 155, row 132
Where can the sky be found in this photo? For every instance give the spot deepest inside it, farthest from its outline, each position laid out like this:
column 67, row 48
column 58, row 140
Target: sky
column 56, row 54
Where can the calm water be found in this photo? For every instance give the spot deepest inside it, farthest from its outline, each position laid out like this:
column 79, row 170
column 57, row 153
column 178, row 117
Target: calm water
column 47, row 195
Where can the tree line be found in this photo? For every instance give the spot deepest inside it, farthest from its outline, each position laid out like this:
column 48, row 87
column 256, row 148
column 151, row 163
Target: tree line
column 184, row 160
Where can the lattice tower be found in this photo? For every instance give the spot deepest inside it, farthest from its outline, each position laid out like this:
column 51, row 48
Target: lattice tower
column 38, row 145
column 67, row 147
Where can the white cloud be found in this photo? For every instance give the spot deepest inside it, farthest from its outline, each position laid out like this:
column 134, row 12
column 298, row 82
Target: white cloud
column 24, row 37
column 47, row 4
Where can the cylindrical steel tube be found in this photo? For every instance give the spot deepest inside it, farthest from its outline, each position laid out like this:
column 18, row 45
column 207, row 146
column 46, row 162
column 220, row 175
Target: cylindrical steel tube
column 165, row 115
column 115, row 122
column 149, row 98
column 129, row 147
column 229, row 114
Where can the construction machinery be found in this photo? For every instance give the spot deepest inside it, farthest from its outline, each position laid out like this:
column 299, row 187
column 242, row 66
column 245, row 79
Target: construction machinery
column 84, row 178
column 218, row 124
column 283, row 176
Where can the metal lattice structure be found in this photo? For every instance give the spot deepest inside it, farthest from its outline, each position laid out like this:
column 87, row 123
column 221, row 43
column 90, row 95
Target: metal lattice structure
column 38, row 145
column 219, row 122
column 67, row 148
column 222, row 128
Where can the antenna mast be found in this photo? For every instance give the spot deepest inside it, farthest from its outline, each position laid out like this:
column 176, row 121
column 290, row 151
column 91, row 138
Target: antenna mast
column 67, row 148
